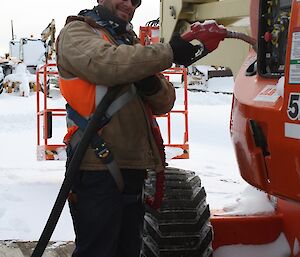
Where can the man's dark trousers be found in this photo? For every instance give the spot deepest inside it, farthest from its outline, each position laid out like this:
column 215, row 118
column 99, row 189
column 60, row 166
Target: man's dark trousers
column 106, row 222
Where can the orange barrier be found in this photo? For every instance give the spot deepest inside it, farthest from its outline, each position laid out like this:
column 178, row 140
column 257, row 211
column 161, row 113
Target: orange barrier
column 184, row 145
column 45, row 151
column 149, row 35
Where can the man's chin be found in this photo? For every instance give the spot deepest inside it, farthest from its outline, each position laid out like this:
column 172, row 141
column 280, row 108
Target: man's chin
column 123, row 16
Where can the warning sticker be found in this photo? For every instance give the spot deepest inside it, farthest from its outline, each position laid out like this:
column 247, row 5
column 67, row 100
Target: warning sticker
column 295, row 59
column 268, row 94
column 295, row 55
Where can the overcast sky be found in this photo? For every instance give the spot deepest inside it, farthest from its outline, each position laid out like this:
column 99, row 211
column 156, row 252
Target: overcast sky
column 30, row 17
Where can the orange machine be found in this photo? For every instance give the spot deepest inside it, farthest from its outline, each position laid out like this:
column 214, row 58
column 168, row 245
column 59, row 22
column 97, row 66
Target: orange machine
column 265, row 130
column 265, row 127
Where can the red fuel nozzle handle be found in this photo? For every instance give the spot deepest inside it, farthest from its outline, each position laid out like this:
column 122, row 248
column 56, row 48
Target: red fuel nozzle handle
column 209, row 33
column 204, row 31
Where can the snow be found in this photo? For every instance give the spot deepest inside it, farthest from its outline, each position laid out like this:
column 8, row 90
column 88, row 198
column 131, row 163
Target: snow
column 296, row 248
column 278, row 248
column 20, row 71
column 250, row 202
column 198, row 80
column 22, row 76
column 172, row 152
column 280, row 87
column 29, row 187
column 220, row 84
column 208, row 22
column 1, row 74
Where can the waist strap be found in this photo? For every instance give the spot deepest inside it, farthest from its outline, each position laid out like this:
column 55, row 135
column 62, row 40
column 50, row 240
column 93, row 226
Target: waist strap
column 97, row 143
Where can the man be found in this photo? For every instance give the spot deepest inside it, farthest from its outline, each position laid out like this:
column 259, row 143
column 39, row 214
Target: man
column 97, row 51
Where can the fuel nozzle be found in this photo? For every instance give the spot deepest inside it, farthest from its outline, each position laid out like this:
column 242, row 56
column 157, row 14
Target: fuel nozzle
column 206, row 31
column 210, row 31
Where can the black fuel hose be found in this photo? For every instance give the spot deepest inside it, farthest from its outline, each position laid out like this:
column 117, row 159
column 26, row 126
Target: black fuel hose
column 244, row 37
column 72, row 171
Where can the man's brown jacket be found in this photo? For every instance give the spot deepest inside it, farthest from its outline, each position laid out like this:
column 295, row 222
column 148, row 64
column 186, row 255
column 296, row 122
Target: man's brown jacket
column 83, row 53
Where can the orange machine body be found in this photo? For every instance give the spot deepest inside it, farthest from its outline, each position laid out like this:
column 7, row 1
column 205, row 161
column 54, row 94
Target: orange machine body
column 265, row 130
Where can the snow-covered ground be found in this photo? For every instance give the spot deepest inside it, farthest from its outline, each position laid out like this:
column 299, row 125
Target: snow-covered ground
column 29, row 187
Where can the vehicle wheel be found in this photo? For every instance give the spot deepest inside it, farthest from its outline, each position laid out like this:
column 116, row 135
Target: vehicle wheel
column 181, row 227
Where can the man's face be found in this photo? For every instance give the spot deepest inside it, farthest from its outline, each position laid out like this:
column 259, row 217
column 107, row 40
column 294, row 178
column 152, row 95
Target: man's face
column 123, row 9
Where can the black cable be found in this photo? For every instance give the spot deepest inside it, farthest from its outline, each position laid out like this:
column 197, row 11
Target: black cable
column 153, row 23
column 73, row 169
column 244, row 37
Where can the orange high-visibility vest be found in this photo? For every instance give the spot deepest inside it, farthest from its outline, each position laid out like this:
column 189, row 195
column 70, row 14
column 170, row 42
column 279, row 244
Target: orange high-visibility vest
column 80, row 94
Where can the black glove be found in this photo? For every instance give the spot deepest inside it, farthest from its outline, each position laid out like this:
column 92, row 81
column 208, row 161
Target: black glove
column 184, row 52
column 148, row 86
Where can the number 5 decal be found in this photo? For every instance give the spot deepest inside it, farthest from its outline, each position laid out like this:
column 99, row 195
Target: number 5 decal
column 294, row 106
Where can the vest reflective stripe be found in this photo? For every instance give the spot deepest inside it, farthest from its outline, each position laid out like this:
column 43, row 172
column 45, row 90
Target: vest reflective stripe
column 100, row 93
column 82, row 95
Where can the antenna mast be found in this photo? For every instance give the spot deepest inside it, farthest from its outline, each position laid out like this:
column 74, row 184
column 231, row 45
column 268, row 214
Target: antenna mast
column 12, row 30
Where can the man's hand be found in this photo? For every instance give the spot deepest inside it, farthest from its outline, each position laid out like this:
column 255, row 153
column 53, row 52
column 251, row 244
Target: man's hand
column 209, row 33
column 148, row 86
column 184, row 53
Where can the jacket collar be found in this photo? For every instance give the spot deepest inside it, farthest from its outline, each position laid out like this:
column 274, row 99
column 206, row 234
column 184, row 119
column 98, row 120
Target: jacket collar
column 105, row 18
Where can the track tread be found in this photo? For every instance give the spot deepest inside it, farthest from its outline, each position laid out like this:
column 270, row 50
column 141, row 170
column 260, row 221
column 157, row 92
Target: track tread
column 181, row 227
